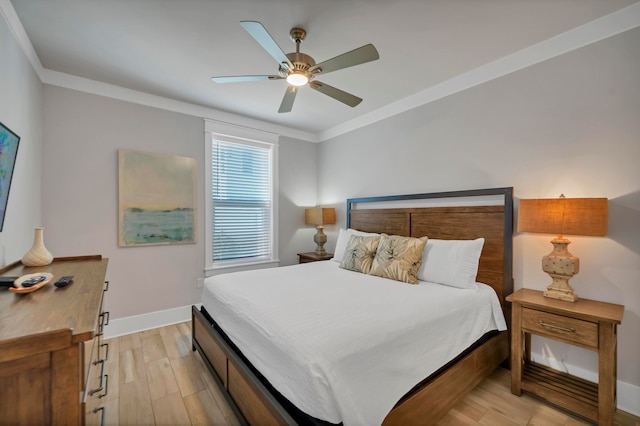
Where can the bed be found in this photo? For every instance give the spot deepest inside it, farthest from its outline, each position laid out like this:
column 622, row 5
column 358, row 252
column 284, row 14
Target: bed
column 253, row 381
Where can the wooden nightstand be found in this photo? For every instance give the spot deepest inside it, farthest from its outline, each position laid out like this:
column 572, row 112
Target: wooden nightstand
column 312, row 257
column 585, row 323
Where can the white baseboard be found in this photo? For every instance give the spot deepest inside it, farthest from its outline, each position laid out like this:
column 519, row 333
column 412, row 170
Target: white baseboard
column 628, row 394
column 148, row 321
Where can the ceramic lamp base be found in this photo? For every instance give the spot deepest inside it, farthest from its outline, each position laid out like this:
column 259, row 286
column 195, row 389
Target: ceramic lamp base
column 320, row 239
column 561, row 266
column 560, row 289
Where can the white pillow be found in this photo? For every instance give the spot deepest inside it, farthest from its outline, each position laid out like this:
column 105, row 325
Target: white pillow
column 451, row 262
column 343, row 240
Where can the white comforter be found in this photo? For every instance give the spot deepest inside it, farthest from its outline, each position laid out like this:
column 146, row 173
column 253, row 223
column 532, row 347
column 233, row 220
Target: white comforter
column 345, row 346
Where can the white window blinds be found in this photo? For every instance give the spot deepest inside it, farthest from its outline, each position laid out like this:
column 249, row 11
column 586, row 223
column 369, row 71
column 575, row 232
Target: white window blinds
column 242, row 191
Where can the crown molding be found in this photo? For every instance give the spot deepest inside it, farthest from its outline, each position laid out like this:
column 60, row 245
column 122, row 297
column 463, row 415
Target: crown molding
column 607, row 26
column 10, row 16
column 81, row 84
column 604, row 27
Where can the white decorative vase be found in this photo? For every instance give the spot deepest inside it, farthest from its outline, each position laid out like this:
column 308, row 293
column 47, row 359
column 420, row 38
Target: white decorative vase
column 38, row 255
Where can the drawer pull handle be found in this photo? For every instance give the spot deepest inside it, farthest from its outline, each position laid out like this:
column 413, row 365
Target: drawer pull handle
column 104, row 321
column 557, row 327
column 104, row 382
column 106, row 351
column 106, row 286
column 101, row 324
column 102, row 409
column 106, row 386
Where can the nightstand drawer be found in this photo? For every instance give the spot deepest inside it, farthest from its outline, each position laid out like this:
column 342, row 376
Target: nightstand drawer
column 583, row 333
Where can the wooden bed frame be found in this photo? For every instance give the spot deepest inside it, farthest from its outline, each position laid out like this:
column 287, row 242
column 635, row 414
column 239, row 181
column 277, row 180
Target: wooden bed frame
column 255, row 401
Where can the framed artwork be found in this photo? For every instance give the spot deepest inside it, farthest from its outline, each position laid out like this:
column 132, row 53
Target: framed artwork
column 8, row 152
column 156, row 199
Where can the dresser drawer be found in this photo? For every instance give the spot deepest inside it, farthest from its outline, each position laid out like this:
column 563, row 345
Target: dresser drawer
column 566, row 329
column 97, row 383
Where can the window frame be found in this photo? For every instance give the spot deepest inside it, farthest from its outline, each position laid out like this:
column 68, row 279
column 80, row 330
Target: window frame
column 215, row 130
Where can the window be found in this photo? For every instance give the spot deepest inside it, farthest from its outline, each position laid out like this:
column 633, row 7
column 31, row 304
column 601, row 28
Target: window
column 241, row 211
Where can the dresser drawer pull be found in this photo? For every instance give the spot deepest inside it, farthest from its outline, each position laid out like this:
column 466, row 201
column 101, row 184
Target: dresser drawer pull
column 104, row 320
column 557, row 327
column 104, row 382
column 101, row 324
column 106, row 286
column 106, row 351
column 102, row 409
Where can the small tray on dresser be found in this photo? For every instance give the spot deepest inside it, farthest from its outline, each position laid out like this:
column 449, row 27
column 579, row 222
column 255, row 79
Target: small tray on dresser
column 19, row 288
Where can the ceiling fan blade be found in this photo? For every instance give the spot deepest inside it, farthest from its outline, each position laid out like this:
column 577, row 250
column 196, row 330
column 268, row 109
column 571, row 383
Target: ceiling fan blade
column 242, row 78
column 287, row 101
column 337, row 94
column 357, row 56
column 267, row 42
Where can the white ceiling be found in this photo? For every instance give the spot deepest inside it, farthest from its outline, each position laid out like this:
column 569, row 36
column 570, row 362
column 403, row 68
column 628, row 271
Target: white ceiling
column 171, row 48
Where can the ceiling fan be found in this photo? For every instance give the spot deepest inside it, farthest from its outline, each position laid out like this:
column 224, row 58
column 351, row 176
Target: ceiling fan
column 300, row 69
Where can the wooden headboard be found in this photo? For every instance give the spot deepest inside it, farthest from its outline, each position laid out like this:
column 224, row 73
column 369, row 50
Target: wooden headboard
column 459, row 222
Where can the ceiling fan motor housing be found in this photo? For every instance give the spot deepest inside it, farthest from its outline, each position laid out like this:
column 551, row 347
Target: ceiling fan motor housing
column 301, row 64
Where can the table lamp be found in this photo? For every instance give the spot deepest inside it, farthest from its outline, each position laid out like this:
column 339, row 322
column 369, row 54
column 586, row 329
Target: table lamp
column 563, row 216
column 320, row 216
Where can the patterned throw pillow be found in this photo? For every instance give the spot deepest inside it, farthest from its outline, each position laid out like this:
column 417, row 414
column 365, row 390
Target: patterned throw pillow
column 359, row 253
column 398, row 258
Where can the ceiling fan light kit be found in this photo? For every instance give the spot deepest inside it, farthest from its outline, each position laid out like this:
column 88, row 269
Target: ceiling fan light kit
column 300, row 69
column 297, row 79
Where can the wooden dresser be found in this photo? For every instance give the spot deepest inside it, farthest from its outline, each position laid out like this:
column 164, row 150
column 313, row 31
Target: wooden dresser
column 51, row 355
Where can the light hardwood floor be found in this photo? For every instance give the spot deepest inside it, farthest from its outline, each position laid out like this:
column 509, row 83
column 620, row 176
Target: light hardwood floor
column 156, row 379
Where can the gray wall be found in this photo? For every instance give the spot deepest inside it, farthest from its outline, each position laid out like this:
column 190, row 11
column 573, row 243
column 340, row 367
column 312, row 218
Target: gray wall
column 83, row 133
column 21, row 111
column 568, row 125
column 298, row 189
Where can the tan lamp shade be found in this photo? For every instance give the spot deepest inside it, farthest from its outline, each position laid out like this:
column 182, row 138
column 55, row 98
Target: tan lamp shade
column 564, row 216
column 320, row 216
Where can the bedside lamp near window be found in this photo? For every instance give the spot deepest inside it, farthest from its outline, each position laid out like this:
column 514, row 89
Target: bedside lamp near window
column 563, row 216
column 320, row 216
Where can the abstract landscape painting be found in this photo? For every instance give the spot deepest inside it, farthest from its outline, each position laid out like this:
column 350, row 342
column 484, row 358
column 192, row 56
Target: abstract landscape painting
column 8, row 151
column 157, row 199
